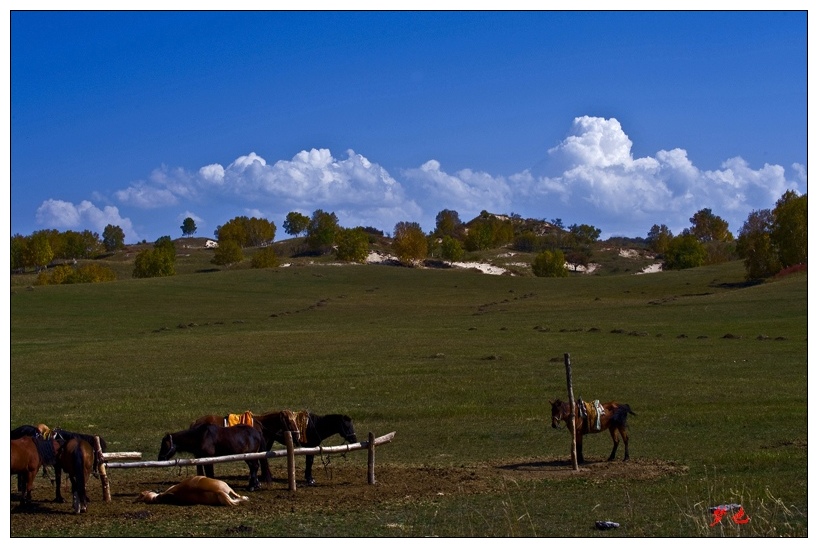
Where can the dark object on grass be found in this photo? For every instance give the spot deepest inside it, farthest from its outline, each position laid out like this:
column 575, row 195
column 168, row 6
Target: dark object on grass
column 603, row 525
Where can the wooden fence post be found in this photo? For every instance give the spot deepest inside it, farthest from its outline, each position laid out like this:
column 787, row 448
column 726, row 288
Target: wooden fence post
column 572, row 415
column 103, row 473
column 370, row 464
column 288, row 439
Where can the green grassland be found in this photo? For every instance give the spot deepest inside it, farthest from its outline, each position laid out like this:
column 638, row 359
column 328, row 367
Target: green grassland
column 461, row 366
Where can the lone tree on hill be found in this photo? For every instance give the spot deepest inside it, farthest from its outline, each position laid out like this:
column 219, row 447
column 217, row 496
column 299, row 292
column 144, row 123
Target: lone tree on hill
column 188, row 227
column 296, row 223
column 113, row 238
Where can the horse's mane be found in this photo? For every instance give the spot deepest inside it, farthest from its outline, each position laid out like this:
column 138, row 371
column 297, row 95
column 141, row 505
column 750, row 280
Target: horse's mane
column 65, row 435
column 25, row 430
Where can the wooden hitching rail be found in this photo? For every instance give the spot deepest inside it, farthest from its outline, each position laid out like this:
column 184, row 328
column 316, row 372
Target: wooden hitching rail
column 290, row 452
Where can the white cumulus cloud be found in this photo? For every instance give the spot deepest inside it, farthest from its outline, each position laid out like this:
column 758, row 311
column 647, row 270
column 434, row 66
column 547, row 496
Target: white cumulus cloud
column 64, row 215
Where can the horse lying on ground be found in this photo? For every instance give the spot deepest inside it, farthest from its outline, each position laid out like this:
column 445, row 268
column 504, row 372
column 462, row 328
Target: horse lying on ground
column 207, row 440
column 28, row 454
column 613, row 417
column 76, row 457
column 195, row 490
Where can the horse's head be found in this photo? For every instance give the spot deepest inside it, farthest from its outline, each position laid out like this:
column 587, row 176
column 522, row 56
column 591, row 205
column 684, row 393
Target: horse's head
column 348, row 430
column 146, row 496
column 558, row 413
column 167, row 449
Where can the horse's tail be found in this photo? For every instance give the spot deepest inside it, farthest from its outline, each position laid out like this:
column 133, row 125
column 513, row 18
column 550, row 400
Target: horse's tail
column 80, row 477
column 46, row 450
column 621, row 414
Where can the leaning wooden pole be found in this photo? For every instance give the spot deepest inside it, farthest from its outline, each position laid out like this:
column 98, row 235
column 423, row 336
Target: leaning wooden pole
column 288, row 441
column 103, row 473
column 572, row 414
column 370, row 463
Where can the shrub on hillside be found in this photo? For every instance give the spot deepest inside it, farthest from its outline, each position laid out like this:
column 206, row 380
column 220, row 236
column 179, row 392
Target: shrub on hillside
column 550, row 264
column 85, row 274
column 265, row 258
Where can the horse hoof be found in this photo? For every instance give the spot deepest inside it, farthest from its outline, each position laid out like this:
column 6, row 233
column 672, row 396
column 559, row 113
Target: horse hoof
column 310, row 481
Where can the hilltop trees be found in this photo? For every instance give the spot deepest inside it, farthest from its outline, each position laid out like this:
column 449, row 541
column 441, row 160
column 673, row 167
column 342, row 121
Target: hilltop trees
column 658, row 239
column 352, row 245
column 322, row 230
column 296, row 223
column 113, row 238
column 188, row 227
column 246, row 232
column 772, row 240
column 447, row 223
column 789, row 228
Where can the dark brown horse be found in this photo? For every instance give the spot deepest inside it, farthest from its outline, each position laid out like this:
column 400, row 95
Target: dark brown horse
column 271, row 426
column 207, row 440
column 312, row 430
column 28, row 454
column 613, row 418
column 76, row 457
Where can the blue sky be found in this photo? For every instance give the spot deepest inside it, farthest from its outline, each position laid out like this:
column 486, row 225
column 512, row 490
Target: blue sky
column 621, row 120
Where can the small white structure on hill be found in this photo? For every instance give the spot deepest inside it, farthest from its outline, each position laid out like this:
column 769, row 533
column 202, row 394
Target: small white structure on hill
column 210, row 244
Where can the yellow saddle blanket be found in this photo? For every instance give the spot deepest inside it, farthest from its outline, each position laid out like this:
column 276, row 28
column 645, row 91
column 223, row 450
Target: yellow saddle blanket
column 300, row 419
column 239, row 418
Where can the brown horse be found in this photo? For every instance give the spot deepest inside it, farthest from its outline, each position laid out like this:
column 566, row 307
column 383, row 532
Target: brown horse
column 28, row 454
column 195, row 490
column 76, row 457
column 311, row 430
column 613, row 418
column 208, row 440
column 271, row 425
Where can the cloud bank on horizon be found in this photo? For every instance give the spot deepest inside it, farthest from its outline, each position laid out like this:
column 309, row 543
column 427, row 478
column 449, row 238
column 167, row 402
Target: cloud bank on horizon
column 590, row 177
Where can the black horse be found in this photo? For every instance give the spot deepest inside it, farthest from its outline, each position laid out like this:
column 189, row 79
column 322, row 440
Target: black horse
column 313, row 429
column 207, row 440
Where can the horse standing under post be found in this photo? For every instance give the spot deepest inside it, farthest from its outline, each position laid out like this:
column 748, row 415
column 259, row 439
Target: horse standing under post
column 207, row 440
column 614, row 418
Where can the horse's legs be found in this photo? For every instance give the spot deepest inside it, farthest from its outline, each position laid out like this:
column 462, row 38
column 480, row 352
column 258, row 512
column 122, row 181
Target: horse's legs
column 625, row 439
column 200, row 470
column 266, row 475
column 308, row 470
column 253, row 483
column 615, row 439
column 208, row 471
column 58, row 481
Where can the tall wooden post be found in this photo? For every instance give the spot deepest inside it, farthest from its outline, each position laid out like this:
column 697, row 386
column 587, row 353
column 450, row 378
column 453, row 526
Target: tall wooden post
column 572, row 414
column 370, row 464
column 103, row 473
column 288, row 441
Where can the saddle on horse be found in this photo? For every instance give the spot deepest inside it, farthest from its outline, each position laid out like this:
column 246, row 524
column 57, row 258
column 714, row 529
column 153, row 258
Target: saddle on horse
column 591, row 414
column 239, row 418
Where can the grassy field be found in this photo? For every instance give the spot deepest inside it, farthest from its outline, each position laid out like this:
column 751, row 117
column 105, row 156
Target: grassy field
column 461, row 366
